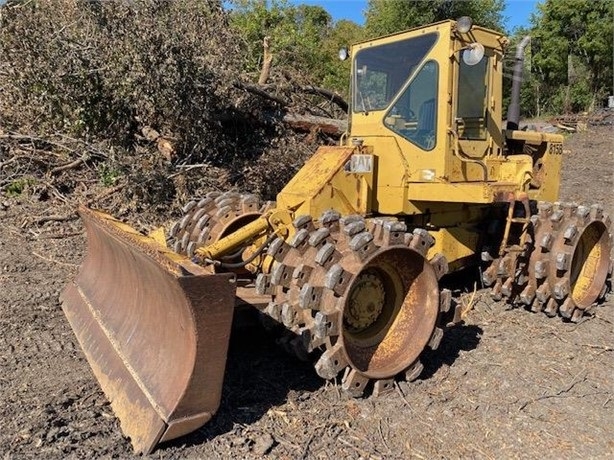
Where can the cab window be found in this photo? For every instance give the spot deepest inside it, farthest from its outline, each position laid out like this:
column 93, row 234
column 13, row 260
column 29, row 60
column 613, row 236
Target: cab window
column 414, row 114
column 471, row 108
column 381, row 71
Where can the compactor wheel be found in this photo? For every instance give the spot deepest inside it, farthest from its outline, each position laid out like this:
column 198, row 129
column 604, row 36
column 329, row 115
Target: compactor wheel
column 213, row 217
column 360, row 291
column 569, row 267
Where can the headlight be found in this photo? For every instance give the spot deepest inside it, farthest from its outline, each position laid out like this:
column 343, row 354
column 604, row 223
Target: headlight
column 473, row 54
column 464, row 24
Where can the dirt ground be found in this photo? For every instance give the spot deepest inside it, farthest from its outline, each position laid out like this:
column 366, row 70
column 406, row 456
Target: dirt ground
column 506, row 384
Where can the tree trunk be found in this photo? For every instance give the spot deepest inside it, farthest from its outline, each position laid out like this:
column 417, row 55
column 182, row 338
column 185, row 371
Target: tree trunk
column 330, row 126
column 266, row 62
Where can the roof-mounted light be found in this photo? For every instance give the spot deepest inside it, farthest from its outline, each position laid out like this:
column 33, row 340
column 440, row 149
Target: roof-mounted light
column 464, row 24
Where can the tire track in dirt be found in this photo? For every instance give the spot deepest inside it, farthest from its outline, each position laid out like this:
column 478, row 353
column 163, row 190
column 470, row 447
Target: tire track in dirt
column 507, row 384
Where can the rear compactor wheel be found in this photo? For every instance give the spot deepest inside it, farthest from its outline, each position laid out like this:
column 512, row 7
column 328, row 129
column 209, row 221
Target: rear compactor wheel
column 569, row 267
column 570, row 263
column 360, row 291
column 216, row 215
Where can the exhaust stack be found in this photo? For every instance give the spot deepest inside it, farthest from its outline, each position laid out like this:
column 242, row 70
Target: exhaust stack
column 513, row 111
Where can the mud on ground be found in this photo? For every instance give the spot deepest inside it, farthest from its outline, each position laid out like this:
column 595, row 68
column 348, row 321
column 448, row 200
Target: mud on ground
column 507, row 384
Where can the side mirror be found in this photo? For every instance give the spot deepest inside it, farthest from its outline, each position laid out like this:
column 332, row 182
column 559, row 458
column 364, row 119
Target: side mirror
column 361, row 71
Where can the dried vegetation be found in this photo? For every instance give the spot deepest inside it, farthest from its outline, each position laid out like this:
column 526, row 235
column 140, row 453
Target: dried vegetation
column 142, row 102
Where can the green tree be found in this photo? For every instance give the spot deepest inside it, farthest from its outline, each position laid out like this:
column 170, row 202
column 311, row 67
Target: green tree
column 572, row 52
column 389, row 16
column 303, row 40
column 336, row 74
column 295, row 32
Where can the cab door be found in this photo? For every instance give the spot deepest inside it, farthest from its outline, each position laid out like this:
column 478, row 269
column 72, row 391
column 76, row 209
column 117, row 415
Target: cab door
column 473, row 90
column 475, row 131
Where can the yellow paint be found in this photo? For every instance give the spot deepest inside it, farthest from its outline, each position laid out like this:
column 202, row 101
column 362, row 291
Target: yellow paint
column 452, row 184
column 588, row 272
column 456, row 241
column 276, row 221
column 325, row 183
column 159, row 236
column 234, row 240
column 551, row 163
column 534, row 137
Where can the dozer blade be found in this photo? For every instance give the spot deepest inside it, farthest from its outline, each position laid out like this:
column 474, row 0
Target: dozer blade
column 154, row 328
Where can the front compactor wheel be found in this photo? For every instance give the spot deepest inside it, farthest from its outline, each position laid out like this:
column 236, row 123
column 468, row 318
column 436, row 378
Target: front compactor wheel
column 360, row 291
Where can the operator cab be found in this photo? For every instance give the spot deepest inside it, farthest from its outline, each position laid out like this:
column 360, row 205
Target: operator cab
column 429, row 102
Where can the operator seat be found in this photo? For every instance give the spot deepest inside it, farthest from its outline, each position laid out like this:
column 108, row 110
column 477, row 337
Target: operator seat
column 425, row 133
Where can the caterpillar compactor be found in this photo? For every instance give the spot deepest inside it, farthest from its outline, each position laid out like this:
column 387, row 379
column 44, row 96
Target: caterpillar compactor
column 346, row 263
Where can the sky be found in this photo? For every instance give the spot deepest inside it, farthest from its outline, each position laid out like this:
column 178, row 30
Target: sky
column 516, row 11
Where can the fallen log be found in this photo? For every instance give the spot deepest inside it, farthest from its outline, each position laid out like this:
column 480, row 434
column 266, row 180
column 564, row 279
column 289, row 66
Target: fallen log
column 569, row 129
column 331, row 126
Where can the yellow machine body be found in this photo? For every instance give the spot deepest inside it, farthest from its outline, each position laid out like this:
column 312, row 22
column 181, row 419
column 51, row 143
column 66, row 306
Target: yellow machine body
column 449, row 180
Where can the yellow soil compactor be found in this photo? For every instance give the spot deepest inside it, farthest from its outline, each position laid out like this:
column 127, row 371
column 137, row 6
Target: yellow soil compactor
column 347, row 261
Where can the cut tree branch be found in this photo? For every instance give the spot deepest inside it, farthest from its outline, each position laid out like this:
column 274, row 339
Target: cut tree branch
column 71, row 165
column 260, row 92
column 266, row 62
column 330, row 95
column 330, row 126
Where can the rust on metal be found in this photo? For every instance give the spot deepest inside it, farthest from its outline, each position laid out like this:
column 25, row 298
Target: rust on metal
column 363, row 292
column 580, row 257
column 396, row 340
column 563, row 266
column 154, row 328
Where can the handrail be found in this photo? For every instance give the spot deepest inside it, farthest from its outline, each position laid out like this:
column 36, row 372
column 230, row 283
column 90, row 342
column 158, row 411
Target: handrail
column 457, row 153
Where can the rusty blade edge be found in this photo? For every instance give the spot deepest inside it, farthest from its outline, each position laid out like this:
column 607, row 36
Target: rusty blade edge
column 179, row 404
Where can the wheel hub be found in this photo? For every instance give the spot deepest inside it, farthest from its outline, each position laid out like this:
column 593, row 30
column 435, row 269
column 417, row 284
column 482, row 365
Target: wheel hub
column 366, row 301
